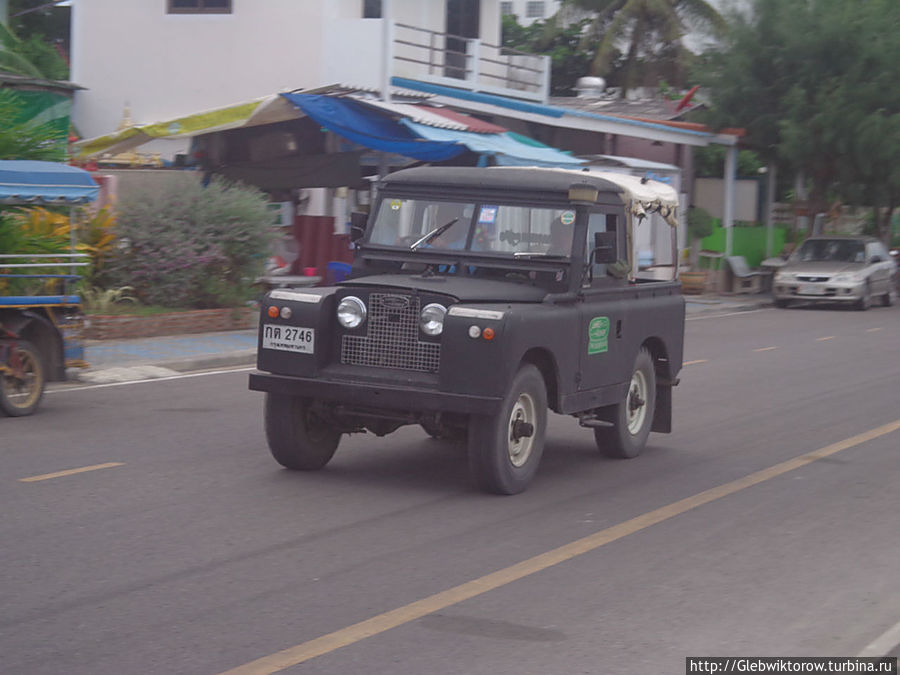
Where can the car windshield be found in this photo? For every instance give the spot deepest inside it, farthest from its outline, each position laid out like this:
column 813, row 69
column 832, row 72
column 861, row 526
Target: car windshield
column 831, row 250
column 507, row 230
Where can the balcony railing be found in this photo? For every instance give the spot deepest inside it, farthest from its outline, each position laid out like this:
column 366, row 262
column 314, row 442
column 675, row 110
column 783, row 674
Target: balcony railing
column 468, row 63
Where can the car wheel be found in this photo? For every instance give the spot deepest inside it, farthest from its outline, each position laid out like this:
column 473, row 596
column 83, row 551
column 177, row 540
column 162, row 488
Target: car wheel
column 865, row 299
column 21, row 392
column 297, row 437
column 888, row 298
column 505, row 449
column 633, row 417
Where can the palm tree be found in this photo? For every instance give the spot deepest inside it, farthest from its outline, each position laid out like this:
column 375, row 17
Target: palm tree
column 11, row 58
column 651, row 32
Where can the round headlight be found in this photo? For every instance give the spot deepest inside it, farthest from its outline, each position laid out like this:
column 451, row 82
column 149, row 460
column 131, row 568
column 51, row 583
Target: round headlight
column 432, row 319
column 351, row 312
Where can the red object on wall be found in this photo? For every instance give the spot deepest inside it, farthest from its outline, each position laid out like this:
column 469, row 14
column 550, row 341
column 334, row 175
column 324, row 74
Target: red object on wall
column 319, row 245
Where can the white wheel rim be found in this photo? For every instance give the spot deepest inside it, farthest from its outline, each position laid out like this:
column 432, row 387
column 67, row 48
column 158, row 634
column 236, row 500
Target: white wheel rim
column 22, row 393
column 519, row 449
column 636, row 402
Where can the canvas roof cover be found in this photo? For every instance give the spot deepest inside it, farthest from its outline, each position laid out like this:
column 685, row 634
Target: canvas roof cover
column 33, row 182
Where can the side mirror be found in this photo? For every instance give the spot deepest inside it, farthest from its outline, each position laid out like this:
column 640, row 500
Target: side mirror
column 875, row 259
column 358, row 220
column 605, row 249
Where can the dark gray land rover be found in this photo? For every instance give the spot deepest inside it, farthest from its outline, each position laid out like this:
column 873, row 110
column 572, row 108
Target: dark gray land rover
column 479, row 298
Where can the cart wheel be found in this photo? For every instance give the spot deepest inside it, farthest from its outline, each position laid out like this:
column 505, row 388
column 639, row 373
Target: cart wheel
column 298, row 439
column 505, row 449
column 21, row 393
column 633, row 416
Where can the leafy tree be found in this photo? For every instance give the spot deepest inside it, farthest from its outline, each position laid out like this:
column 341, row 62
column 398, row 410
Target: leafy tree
column 651, row 32
column 12, row 55
column 814, row 84
column 28, row 43
column 569, row 57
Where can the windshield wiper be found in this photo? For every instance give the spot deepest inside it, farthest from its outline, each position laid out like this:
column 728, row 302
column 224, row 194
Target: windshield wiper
column 436, row 232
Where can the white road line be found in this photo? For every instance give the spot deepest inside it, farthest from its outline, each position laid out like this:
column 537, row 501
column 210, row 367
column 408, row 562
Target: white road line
column 765, row 349
column 883, row 644
column 156, row 379
column 719, row 316
column 827, row 337
column 873, row 330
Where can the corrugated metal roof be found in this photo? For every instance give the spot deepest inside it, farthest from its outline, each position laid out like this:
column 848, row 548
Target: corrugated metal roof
column 416, row 113
column 473, row 124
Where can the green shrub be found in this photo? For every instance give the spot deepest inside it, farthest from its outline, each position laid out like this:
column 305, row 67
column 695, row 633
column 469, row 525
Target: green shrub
column 185, row 245
column 699, row 223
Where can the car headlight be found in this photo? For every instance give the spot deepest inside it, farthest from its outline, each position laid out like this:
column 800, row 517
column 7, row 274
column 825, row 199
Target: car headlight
column 351, row 312
column 847, row 278
column 431, row 321
column 784, row 276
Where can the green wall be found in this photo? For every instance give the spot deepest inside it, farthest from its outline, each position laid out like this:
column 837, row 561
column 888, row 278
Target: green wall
column 749, row 242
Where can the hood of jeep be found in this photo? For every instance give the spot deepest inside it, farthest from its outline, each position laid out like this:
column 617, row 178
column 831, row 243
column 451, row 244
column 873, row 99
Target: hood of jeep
column 463, row 288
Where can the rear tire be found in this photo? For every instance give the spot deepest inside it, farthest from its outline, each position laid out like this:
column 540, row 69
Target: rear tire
column 297, row 437
column 504, row 452
column 20, row 396
column 633, row 417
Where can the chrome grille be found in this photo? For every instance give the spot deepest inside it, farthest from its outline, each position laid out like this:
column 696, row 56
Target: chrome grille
column 392, row 337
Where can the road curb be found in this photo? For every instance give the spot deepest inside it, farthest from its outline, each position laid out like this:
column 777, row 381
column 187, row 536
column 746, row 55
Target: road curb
column 244, row 357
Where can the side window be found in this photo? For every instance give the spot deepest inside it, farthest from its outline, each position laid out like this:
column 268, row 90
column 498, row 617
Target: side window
column 371, row 9
column 602, row 222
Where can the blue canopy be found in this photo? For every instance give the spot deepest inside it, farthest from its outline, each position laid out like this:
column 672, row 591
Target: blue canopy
column 356, row 122
column 32, row 182
column 504, row 148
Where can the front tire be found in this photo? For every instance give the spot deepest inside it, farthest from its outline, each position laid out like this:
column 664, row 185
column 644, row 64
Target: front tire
column 297, row 437
column 865, row 301
column 20, row 395
column 505, row 449
column 633, row 417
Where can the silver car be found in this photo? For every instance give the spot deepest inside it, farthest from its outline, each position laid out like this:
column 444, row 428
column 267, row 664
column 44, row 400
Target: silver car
column 853, row 270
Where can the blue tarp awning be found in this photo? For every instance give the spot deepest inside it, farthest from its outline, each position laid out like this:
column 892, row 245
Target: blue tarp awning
column 357, row 123
column 33, row 182
column 504, row 148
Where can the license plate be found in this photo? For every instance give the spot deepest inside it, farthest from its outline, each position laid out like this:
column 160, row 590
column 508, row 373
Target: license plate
column 289, row 338
column 811, row 289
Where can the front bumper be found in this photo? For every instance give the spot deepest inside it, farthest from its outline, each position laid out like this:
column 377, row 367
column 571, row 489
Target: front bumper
column 820, row 291
column 374, row 395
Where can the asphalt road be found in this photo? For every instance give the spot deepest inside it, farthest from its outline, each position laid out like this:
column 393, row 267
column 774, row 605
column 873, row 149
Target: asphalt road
column 186, row 549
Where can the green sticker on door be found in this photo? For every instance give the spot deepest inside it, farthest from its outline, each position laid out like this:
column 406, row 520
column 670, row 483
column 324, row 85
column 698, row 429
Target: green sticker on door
column 598, row 335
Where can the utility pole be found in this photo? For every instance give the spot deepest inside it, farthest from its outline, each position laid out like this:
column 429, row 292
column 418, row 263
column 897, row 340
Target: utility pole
column 4, row 12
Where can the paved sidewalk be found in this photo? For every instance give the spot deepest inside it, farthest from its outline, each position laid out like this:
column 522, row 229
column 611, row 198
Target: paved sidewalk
column 147, row 358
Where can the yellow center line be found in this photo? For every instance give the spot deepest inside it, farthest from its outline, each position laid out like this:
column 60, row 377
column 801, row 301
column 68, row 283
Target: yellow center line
column 381, row 623
column 69, row 472
column 827, row 337
column 691, row 363
column 873, row 330
column 765, row 349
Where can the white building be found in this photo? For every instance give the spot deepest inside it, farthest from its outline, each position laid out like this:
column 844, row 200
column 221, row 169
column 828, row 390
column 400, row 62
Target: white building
column 168, row 58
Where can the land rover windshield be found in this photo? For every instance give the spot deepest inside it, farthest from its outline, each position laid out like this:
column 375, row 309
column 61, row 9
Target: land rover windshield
column 505, row 230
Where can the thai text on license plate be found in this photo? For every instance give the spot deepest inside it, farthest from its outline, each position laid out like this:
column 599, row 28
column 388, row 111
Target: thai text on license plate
column 289, row 338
